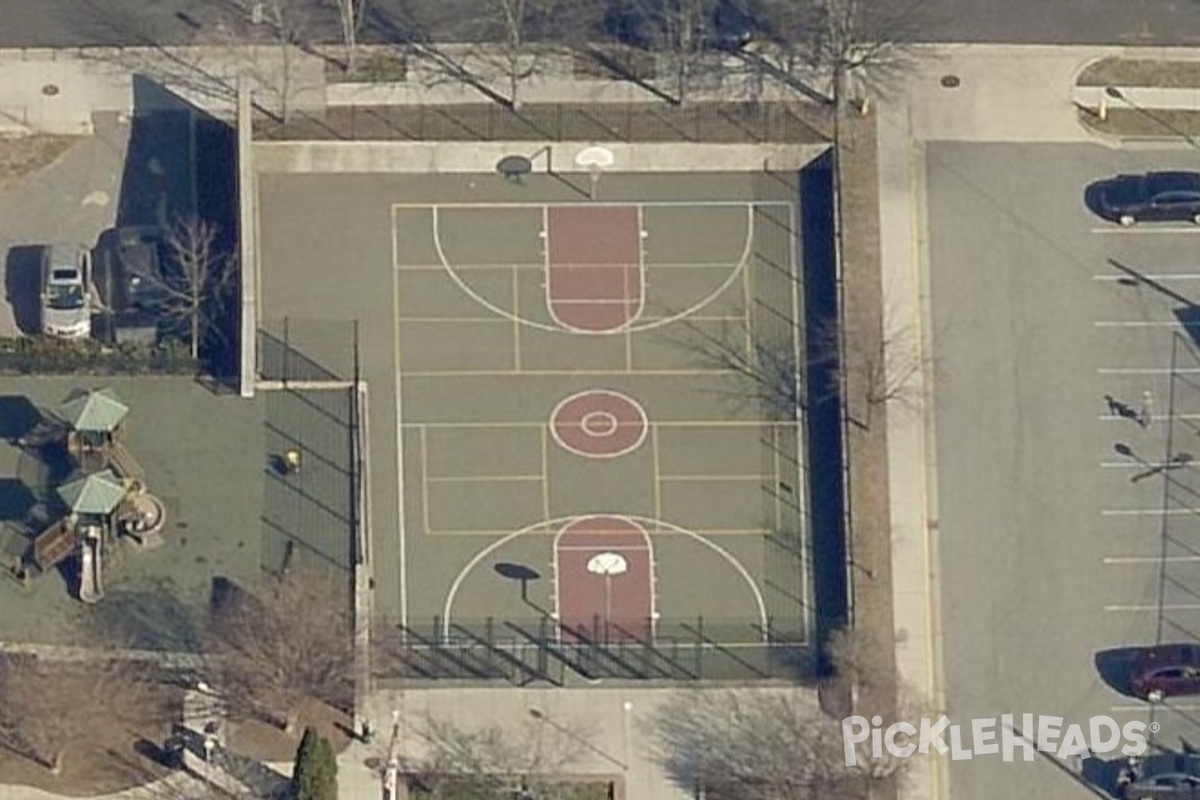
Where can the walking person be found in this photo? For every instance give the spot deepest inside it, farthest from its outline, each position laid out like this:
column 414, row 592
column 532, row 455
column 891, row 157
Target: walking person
column 1145, row 415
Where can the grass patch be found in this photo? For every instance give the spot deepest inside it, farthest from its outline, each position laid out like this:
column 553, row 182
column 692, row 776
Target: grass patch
column 24, row 155
column 1135, row 72
column 1132, row 123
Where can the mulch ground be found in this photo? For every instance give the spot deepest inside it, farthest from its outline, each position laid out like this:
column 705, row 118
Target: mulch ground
column 265, row 742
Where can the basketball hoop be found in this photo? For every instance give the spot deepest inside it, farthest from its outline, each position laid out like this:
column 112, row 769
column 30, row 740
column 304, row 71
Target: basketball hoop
column 595, row 160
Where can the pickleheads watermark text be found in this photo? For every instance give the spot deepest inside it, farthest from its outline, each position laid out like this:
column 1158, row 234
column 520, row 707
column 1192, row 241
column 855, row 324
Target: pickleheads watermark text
column 996, row 736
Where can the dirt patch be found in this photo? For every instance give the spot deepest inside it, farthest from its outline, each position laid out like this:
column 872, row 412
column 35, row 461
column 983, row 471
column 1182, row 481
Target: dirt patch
column 268, row 743
column 24, row 155
column 1133, row 72
column 121, row 756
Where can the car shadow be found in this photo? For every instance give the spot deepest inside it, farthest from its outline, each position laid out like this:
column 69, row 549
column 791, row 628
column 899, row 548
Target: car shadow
column 1116, row 666
column 22, row 279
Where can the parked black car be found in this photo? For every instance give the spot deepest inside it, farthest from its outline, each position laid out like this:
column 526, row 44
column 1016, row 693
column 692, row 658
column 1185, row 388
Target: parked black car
column 1155, row 196
column 1163, row 777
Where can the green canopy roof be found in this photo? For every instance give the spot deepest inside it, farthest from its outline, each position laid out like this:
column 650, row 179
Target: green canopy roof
column 93, row 410
column 97, row 493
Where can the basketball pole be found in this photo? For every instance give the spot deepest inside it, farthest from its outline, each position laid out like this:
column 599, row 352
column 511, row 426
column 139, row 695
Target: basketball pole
column 594, row 177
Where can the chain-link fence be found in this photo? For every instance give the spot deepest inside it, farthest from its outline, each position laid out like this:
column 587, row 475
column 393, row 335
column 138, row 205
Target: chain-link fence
column 542, row 649
column 715, row 123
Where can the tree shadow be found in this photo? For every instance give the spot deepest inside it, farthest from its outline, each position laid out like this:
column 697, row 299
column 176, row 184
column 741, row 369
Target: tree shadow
column 22, row 286
column 18, row 416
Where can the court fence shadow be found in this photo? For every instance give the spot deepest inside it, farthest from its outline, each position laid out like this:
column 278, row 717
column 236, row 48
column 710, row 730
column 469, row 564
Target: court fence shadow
column 307, row 351
column 533, row 651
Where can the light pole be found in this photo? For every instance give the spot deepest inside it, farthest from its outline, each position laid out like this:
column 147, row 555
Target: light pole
column 1117, row 94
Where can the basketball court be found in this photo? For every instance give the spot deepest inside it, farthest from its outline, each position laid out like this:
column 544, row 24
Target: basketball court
column 570, row 449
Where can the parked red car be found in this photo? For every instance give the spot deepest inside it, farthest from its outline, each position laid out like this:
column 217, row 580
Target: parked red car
column 1169, row 670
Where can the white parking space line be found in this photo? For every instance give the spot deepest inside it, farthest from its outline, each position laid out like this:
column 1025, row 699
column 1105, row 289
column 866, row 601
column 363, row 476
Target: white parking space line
column 1157, row 417
column 1148, row 512
column 1135, row 231
column 1148, row 371
column 1170, row 276
column 1166, row 607
column 1155, row 560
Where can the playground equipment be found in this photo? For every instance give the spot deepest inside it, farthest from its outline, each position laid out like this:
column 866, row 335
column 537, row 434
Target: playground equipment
column 91, row 583
column 106, row 499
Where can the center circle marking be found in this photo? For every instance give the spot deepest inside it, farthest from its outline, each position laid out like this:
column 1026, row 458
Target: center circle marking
column 599, row 423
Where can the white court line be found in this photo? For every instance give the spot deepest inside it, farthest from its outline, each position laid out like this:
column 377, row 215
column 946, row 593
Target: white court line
column 591, row 548
column 1121, row 560
column 1157, row 417
column 1148, row 512
column 1148, row 371
column 400, row 501
column 485, row 267
column 1140, row 323
column 1136, row 230
column 1166, row 607
column 1136, row 464
column 751, row 204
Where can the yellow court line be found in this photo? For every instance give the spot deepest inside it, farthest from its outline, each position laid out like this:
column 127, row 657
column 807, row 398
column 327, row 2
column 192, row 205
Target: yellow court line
column 746, row 477
column 681, row 204
column 516, row 319
column 450, row 320
column 484, row 478
column 657, row 472
column 657, row 424
column 747, row 305
column 777, row 480
column 660, row 532
column 425, row 480
column 545, row 472
column 492, row 373
column 498, row 267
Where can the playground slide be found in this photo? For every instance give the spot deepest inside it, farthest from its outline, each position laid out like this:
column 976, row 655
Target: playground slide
column 91, row 585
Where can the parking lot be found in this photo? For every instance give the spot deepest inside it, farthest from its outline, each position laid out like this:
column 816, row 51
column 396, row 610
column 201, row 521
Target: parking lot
column 1066, row 441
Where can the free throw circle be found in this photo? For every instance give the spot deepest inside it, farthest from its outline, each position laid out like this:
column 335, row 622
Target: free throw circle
column 599, row 423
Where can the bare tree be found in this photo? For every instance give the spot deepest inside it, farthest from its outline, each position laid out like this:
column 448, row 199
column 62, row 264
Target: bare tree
column 527, row 759
column 878, row 369
column 679, row 32
column 285, row 639
column 259, row 40
column 752, row 744
column 502, row 42
column 198, row 294
column 854, row 47
column 351, row 14
column 762, row 368
column 49, row 708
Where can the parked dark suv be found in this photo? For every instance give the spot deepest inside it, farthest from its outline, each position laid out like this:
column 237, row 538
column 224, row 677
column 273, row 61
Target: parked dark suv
column 1155, row 196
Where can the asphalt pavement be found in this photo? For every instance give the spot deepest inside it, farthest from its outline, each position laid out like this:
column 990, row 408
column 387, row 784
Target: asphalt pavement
column 77, row 23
